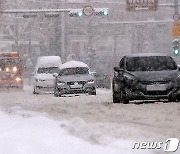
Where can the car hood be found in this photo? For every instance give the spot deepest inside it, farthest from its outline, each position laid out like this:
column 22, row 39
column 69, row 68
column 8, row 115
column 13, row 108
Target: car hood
column 71, row 78
column 44, row 76
column 156, row 75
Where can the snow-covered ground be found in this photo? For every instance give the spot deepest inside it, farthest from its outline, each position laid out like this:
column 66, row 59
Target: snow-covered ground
column 44, row 124
column 29, row 133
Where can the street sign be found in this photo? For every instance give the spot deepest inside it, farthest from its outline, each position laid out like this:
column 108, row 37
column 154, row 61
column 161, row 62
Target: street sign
column 51, row 14
column 88, row 10
column 176, row 17
column 30, row 15
column 176, row 29
column 135, row 5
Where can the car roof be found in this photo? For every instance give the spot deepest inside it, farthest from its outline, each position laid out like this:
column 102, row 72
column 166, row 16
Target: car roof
column 48, row 61
column 73, row 64
column 147, row 54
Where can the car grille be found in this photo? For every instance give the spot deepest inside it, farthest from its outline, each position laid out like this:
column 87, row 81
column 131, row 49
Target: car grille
column 79, row 82
column 155, row 92
column 163, row 92
column 154, row 82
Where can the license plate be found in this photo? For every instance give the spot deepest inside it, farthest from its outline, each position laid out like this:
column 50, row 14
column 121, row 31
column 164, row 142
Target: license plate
column 76, row 85
column 156, row 87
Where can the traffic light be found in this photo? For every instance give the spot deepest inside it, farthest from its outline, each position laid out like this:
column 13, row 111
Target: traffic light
column 76, row 13
column 176, row 50
column 101, row 11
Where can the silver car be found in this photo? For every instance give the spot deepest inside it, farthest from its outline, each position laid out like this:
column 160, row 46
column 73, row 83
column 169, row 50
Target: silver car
column 74, row 78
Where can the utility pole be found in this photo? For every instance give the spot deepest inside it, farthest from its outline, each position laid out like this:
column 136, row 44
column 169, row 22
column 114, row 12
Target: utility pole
column 63, row 28
column 176, row 11
column 115, row 50
column 176, row 7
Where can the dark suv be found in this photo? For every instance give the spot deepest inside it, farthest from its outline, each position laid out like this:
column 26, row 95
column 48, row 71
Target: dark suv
column 146, row 77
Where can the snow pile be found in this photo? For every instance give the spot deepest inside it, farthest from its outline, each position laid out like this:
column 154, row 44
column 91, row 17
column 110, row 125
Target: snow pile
column 103, row 91
column 36, row 134
column 73, row 64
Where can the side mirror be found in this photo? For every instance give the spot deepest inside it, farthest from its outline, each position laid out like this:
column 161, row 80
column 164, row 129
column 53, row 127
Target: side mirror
column 55, row 75
column 178, row 67
column 93, row 73
column 117, row 69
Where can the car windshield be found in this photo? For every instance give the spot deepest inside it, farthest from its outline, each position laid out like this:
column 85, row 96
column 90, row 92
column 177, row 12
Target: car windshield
column 74, row 71
column 9, row 61
column 48, row 70
column 154, row 63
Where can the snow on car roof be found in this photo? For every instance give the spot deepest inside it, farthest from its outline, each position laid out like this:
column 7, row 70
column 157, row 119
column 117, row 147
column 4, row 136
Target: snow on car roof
column 49, row 61
column 147, row 54
column 73, row 63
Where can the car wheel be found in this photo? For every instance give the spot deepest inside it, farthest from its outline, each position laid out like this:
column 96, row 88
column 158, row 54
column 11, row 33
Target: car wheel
column 173, row 99
column 116, row 98
column 20, row 86
column 56, row 95
column 35, row 92
column 92, row 92
column 123, row 98
column 56, row 92
column 178, row 99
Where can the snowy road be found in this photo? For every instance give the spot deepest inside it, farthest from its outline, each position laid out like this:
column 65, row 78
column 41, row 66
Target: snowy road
column 92, row 118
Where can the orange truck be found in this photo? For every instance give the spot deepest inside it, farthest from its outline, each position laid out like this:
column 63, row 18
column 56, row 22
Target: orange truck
column 10, row 70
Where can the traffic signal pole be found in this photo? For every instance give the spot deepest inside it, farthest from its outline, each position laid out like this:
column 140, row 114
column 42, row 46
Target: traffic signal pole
column 63, row 31
column 35, row 11
column 55, row 13
column 176, row 7
column 176, row 40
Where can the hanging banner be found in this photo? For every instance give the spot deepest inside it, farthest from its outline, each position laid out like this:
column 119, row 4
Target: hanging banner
column 135, row 5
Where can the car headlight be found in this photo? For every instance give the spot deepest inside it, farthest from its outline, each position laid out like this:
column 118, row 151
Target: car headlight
column 18, row 79
column 60, row 83
column 38, row 80
column 130, row 80
column 178, row 76
column 15, row 69
column 7, row 69
column 90, row 82
column 178, row 79
column 128, row 77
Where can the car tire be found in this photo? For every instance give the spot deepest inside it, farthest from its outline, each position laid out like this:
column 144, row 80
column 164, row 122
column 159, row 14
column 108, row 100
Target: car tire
column 56, row 92
column 56, row 95
column 119, row 97
column 92, row 93
column 116, row 98
column 123, row 98
column 178, row 99
column 20, row 86
column 34, row 91
column 173, row 99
